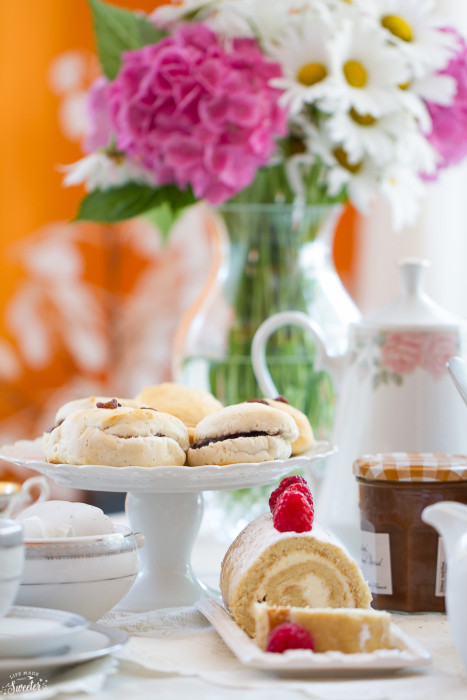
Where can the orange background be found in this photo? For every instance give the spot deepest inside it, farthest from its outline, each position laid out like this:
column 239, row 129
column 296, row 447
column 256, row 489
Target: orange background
column 37, row 39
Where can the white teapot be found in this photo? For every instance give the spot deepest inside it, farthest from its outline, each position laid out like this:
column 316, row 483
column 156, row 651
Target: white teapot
column 450, row 519
column 394, row 391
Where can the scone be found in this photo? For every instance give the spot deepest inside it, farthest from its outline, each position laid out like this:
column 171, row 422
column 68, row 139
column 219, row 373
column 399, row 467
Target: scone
column 118, row 437
column 301, row 569
column 305, row 438
column 189, row 404
column 89, row 402
column 349, row 630
column 246, row 432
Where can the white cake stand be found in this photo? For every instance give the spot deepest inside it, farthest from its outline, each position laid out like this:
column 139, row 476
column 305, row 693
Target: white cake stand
column 166, row 505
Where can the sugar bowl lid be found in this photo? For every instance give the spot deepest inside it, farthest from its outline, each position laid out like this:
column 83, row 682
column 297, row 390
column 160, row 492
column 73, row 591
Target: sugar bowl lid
column 11, row 533
column 413, row 308
column 411, row 466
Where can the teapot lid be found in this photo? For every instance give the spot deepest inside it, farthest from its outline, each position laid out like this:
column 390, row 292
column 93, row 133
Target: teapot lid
column 413, row 307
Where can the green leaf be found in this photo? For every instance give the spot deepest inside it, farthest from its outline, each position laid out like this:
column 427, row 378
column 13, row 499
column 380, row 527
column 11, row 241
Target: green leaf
column 119, row 30
column 163, row 217
column 130, row 200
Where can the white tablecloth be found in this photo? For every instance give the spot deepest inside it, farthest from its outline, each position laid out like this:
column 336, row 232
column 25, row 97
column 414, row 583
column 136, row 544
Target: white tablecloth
column 176, row 654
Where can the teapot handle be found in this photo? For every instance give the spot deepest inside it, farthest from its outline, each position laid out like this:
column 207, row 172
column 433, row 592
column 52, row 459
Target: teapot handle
column 262, row 335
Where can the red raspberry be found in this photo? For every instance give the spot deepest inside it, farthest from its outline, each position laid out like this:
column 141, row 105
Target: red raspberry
column 297, row 483
column 289, row 636
column 293, row 512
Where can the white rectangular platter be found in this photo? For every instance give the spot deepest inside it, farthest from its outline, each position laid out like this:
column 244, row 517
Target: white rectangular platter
column 405, row 652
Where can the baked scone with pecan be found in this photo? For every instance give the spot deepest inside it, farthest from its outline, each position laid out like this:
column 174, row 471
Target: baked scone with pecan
column 306, row 437
column 118, row 436
column 246, row 432
column 187, row 403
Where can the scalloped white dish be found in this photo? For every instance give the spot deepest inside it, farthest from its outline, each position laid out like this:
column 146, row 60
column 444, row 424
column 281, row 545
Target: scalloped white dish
column 406, row 652
column 94, row 477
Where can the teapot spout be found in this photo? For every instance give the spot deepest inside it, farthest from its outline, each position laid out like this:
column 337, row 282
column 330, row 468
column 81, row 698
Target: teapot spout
column 449, row 518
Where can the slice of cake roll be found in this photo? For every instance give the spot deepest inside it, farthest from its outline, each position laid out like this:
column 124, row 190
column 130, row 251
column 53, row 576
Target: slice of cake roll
column 349, row 630
column 288, row 568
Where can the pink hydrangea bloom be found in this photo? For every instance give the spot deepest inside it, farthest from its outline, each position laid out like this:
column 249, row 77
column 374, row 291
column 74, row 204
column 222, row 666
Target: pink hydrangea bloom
column 197, row 113
column 449, row 133
column 99, row 126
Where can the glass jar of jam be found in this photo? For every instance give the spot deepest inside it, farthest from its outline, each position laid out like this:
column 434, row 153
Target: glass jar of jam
column 403, row 558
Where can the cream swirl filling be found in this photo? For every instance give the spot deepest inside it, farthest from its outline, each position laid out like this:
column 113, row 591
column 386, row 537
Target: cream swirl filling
column 305, row 578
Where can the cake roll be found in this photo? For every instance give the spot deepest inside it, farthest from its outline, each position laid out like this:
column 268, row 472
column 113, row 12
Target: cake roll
column 305, row 569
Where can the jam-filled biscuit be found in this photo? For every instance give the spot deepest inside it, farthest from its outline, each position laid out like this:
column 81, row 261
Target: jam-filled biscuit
column 187, row 403
column 246, row 432
column 306, row 437
column 118, row 437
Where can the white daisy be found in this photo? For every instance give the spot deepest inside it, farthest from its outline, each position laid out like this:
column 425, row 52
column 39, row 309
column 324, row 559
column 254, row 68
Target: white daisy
column 266, row 20
column 413, row 26
column 361, row 134
column 227, row 18
column 413, row 151
column 102, row 171
column 367, row 70
column 403, row 189
column 304, row 53
column 168, row 15
column 359, row 177
column 360, row 181
column 434, row 87
column 397, row 180
column 349, row 7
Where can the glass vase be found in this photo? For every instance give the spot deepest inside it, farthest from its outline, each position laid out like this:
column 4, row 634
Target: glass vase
column 267, row 258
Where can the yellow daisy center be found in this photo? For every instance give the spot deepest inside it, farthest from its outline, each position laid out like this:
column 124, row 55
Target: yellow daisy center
column 397, row 26
column 404, row 86
column 363, row 119
column 296, row 146
column 355, row 74
column 342, row 158
column 311, row 73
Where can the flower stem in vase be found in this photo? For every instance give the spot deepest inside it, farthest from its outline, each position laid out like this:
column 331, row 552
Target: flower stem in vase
column 267, row 274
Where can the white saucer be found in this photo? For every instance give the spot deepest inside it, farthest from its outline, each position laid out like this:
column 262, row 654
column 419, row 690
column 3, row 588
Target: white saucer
column 27, row 631
column 91, row 643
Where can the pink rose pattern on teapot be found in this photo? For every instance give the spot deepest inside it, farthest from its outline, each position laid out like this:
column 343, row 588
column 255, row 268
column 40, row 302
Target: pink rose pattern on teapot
column 401, row 352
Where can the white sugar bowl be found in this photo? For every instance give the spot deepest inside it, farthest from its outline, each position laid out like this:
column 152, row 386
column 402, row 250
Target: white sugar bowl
column 11, row 562
column 87, row 575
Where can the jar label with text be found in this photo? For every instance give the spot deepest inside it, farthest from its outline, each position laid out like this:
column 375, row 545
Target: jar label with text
column 376, row 561
column 441, row 568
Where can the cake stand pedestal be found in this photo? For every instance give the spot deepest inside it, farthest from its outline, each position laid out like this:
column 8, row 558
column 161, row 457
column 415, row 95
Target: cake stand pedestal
column 165, row 504
column 170, row 523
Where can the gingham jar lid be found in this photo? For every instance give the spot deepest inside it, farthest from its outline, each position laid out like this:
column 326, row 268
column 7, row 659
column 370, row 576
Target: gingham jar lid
column 411, row 466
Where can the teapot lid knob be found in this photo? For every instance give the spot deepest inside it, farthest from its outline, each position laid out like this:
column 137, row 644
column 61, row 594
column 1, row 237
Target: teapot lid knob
column 413, row 309
column 411, row 271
